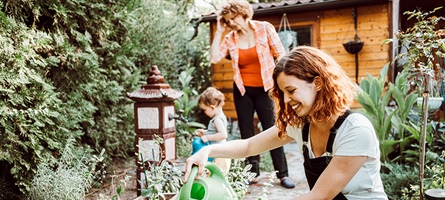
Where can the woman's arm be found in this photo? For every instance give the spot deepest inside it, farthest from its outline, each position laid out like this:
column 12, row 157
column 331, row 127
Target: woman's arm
column 276, row 47
column 215, row 55
column 335, row 177
column 255, row 145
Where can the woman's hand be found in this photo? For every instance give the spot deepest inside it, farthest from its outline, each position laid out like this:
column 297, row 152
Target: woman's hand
column 221, row 24
column 199, row 159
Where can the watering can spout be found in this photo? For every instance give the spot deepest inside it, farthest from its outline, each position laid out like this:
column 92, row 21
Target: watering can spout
column 215, row 186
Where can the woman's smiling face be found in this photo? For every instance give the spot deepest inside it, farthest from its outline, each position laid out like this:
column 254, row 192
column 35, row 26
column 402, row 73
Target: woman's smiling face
column 298, row 94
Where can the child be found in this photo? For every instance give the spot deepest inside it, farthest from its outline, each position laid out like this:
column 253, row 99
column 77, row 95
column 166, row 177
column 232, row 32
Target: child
column 211, row 102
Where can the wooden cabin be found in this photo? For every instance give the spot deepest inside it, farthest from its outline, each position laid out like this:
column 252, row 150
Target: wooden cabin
column 327, row 24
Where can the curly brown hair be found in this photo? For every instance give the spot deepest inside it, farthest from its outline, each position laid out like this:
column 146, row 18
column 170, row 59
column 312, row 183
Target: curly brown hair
column 337, row 93
column 240, row 7
column 211, row 97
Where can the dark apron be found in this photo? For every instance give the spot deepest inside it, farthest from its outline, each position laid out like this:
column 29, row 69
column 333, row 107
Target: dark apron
column 314, row 167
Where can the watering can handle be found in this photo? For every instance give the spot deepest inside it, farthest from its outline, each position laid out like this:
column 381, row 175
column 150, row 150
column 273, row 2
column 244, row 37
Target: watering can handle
column 187, row 187
column 214, row 171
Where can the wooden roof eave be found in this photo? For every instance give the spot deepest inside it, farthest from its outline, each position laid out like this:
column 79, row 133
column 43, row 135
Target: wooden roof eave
column 303, row 7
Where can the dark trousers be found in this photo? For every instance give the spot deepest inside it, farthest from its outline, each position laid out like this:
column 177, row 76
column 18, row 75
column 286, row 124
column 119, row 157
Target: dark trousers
column 257, row 100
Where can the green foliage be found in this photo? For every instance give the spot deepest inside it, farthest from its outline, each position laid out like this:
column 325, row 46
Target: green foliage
column 70, row 178
column 67, row 65
column 160, row 178
column 375, row 102
column 266, row 185
column 239, row 176
column 186, row 104
column 437, row 180
column 400, row 180
column 392, row 123
column 189, row 99
column 120, row 188
column 35, row 123
column 397, row 178
column 424, row 44
column 165, row 24
column 404, row 100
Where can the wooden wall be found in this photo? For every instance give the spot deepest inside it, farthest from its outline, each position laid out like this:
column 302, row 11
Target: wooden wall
column 330, row 28
column 372, row 28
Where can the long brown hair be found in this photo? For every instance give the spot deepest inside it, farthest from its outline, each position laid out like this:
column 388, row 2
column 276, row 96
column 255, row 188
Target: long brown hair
column 337, row 91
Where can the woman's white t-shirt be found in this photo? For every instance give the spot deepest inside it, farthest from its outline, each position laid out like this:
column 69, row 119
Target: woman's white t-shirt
column 355, row 137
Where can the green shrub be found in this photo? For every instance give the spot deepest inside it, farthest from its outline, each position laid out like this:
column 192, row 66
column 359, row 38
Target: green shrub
column 34, row 122
column 239, row 176
column 69, row 179
column 65, row 69
column 401, row 181
column 398, row 177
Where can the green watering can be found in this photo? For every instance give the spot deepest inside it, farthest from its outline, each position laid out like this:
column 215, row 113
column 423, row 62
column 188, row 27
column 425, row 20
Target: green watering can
column 213, row 187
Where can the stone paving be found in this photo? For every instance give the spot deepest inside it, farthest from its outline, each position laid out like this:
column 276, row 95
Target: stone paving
column 277, row 192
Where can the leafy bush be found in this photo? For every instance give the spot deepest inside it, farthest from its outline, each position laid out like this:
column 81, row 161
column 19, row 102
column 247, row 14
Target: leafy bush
column 70, row 178
column 161, row 178
column 239, row 176
column 187, row 104
column 35, row 122
column 66, row 67
column 397, row 177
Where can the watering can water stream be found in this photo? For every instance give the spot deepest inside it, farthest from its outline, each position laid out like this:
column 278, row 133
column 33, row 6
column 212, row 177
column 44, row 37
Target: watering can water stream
column 213, row 187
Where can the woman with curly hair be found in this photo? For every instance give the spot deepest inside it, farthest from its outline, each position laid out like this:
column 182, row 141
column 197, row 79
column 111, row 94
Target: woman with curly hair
column 340, row 148
column 252, row 46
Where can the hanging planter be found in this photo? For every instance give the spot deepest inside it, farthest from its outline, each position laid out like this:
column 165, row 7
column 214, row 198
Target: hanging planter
column 287, row 36
column 354, row 46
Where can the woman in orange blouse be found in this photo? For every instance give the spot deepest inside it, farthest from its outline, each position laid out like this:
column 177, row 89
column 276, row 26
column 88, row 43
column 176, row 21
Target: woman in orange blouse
column 253, row 46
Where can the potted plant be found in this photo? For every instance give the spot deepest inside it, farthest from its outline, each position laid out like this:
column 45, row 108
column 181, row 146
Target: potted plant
column 435, row 97
column 161, row 179
column 424, row 45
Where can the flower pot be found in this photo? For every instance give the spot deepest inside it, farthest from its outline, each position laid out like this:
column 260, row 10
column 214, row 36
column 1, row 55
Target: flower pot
column 435, row 194
column 353, row 47
column 434, row 103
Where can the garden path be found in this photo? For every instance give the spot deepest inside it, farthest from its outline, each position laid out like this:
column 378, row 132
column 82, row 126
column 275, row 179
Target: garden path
column 296, row 172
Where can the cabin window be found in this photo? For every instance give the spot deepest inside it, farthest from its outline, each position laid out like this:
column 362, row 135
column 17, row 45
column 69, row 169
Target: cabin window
column 304, row 35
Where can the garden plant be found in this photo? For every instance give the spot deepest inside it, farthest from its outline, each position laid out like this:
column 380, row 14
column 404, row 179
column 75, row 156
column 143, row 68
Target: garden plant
column 425, row 45
column 408, row 137
column 66, row 67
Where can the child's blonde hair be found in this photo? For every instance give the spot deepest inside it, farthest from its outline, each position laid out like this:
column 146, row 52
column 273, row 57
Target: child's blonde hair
column 211, row 97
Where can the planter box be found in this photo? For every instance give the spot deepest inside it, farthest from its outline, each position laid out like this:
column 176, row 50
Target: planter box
column 168, row 196
column 434, row 103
